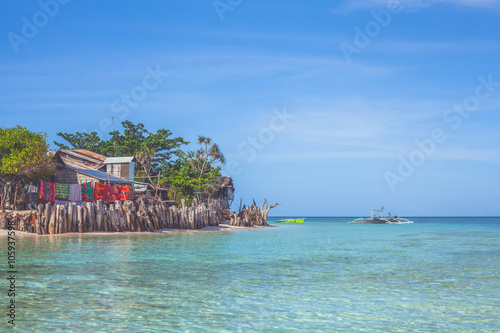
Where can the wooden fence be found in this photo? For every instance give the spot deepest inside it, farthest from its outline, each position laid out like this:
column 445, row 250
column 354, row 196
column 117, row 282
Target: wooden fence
column 115, row 217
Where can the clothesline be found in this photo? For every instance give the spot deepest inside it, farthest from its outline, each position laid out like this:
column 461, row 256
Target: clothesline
column 86, row 192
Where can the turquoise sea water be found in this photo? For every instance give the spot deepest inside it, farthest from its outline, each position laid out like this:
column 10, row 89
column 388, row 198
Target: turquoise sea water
column 436, row 275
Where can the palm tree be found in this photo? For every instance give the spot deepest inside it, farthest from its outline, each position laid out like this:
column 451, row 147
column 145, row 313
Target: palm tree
column 209, row 154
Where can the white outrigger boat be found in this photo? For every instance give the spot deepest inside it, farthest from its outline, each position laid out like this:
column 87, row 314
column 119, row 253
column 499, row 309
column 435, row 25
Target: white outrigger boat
column 374, row 219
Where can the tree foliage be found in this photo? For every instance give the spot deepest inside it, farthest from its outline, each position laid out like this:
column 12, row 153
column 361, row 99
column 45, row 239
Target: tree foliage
column 203, row 160
column 160, row 158
column 196, row 174
column 134, row 141
column 24, row 155
column 88, row 141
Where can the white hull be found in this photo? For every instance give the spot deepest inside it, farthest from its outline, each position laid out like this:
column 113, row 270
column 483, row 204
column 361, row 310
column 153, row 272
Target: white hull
column 382, row 220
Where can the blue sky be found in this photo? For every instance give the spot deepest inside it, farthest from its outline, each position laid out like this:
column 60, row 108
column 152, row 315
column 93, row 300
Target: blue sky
column 328, row 107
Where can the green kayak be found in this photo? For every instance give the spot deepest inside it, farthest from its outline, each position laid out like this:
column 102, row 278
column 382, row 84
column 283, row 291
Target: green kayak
column 291, row 221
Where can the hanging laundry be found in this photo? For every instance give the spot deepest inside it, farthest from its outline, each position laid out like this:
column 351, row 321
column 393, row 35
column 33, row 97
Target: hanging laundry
column 113, row 193
column 125, row 193
column 100, row 191
column 62, row 191
column 47, row 191
column 87, row 193
column 33, row 189
column 75, row 193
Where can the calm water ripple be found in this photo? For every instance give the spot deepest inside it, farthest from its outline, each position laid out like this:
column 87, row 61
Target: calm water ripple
column 437, row 275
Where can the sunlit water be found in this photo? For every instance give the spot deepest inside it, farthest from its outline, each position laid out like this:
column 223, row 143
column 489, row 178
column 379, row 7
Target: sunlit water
column 438, row 274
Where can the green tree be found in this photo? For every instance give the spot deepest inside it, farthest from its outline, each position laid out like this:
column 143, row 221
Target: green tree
column 89, row 141
column 203, row 160
column 181, row 180
column 134, row 140
column 23, row 156
column 196, row 174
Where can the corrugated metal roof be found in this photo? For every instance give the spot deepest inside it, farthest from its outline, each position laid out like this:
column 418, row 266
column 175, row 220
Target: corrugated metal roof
column 80, row 161
column 116, row 160
column 86, row 157
column 101, row 175
column 90, row 154
column 78, row 165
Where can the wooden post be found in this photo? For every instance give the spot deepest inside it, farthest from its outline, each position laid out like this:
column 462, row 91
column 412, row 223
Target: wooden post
column 64, row 220
column 111, row 220
column 52, row 221
column 85, row 219
column 70, row 217
column 39, row 220
column 74, row 224
column 79, row 218
column 128, row 216
column 154, row 217
column 163, row 213
column 99, row 214
column 89, row 217
column 56, row 229
column 120, row 216
column 105, row 218
column 114, row 218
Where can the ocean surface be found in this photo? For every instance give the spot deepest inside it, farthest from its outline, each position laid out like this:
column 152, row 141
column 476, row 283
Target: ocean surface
column 436, row 275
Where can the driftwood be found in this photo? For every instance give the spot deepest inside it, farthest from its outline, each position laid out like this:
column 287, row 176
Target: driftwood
column 79, row 219
column 99, row 216
column 112, row 218
column 69, row 226
column 59, row 220
column 105, row 221
column 52, row 221
column 253, row 215
column 46, row 220
column 39, row 218
column 120, row 216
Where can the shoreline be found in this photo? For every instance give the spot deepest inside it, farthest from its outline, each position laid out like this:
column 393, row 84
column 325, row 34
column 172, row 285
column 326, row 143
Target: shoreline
column 219, row 228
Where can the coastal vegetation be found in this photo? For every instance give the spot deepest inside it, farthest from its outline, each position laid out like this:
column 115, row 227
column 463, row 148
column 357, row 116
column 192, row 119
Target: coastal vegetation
column 191, row 178
column 135, row 139
column 195, row 173
column 23, row 157
column 161, row 161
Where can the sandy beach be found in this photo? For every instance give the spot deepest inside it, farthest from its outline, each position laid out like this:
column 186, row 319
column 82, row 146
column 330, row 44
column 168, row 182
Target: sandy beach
column 220, row 228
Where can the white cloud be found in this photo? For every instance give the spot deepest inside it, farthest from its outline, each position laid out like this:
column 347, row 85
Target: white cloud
column 356, row 5
column 406, row 46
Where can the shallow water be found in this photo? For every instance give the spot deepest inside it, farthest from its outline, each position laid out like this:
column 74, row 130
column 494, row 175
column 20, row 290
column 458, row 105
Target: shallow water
column 436, row 275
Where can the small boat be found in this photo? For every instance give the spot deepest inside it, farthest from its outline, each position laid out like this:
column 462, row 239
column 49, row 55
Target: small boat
column 375, row 219
column 291, row 221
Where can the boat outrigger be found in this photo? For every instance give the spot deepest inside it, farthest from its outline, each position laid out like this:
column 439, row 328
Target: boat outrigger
column 291, row 221
column 374, row 219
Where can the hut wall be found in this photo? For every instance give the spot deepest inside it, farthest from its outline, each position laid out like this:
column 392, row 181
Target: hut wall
column 68, row 176
column 123, row 170
column 84, row 179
